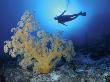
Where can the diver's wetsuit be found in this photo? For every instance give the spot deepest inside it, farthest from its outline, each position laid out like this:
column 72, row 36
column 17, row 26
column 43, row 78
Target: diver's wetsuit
column 66, row 18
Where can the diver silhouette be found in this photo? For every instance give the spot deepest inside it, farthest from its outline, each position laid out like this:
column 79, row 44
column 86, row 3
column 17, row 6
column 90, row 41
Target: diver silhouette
column 66, row 18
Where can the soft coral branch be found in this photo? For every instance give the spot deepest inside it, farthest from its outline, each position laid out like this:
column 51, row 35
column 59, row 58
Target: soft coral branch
column 34, row 46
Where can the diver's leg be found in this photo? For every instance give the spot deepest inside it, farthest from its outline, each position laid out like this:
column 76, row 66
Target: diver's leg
column 72, row 18
column 80, row 13
column 73, row 15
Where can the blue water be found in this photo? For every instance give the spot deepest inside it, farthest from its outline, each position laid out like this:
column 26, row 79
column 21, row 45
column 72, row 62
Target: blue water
column 91, row 27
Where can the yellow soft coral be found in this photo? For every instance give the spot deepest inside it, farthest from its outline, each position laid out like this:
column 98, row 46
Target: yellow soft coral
column 31, row 42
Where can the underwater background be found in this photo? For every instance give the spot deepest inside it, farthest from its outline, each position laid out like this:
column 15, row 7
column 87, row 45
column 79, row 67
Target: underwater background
column 91, row 28
column 90, row 34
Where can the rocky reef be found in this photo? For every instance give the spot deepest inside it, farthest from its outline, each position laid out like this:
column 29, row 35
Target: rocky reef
column 66, row 73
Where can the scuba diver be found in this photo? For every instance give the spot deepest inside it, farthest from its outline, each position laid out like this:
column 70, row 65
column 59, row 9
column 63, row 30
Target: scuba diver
column 66, row 18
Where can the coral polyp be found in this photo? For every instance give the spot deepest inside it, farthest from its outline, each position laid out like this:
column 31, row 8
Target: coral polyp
column 33, row 43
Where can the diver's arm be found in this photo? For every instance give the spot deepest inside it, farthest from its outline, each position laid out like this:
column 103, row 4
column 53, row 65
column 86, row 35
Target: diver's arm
column 63, row 12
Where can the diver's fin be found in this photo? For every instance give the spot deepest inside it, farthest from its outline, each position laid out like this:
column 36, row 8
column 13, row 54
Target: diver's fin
column 83, row 13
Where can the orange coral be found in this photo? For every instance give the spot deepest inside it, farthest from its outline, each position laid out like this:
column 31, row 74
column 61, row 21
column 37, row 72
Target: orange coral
column 35, row 46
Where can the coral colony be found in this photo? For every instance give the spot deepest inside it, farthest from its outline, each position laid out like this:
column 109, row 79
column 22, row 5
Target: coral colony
column 35, row 46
